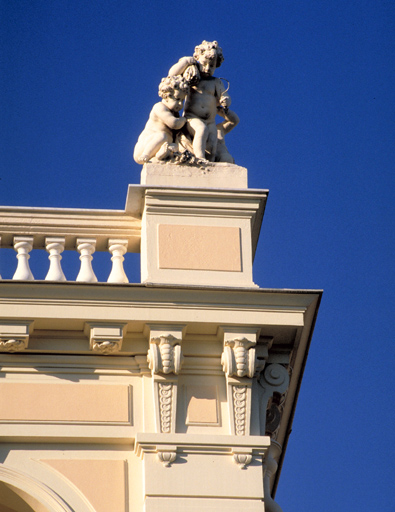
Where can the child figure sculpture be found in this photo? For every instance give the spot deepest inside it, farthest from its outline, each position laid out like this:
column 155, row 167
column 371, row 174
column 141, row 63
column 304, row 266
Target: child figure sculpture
column 156, row 140
column 205, row 97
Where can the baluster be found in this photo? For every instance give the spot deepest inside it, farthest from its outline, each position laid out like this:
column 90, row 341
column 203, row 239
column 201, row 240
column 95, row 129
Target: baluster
column 55, row 246
column 23, row 245
column 117, row 248
column 86, row 247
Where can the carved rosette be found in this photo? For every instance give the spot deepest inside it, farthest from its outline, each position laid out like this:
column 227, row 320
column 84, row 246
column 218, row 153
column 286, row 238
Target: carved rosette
column 164, row 355
column 238, row 358
column 165, row 406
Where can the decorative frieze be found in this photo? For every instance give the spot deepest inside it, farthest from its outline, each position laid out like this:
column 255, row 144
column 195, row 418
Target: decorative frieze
column 14, row 336
column 105, row 338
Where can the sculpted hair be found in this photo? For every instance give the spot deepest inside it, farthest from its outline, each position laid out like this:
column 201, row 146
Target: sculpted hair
column 170, row 84
column 209, row 50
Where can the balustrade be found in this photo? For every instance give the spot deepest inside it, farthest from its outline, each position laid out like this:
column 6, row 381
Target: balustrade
column 56, row 231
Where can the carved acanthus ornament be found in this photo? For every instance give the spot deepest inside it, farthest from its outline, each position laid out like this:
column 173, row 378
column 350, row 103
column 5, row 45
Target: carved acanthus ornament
column 14, row 337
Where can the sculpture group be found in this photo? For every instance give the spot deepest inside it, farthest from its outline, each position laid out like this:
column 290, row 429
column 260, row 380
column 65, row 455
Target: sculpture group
column 195, row 137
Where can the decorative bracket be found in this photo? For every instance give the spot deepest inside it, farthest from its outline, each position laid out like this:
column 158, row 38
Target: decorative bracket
column 238, row 363
column 165, row 360
column 14, row 336
column 274, row 379
column 164, row 355
column 105, row 338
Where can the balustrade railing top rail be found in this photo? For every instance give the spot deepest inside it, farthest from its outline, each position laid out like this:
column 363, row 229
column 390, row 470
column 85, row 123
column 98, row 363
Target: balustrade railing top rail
column 55, row 230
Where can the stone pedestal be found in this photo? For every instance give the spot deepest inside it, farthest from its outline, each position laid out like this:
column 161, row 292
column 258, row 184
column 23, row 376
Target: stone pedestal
column 200, row 226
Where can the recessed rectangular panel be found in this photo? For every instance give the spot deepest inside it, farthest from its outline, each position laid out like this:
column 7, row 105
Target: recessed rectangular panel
column 51, row 402
column 186, row 247
column 202, row 405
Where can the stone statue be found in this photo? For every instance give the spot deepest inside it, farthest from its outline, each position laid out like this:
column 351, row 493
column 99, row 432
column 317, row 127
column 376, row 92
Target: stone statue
column 156, row 140
column 194, row 138
column 206, row 97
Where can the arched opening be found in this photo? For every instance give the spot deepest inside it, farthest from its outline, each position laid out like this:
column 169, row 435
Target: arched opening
column 15, row 500
column 21, row 493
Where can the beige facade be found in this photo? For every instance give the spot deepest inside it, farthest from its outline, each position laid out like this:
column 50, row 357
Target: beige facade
column 174, row 394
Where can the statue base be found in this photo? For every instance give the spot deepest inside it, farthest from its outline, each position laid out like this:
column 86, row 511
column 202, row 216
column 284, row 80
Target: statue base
column 210, row 175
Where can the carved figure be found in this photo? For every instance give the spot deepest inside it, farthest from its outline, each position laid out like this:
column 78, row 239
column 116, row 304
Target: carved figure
column 157, row 137
column 231, row 119
column 206, row 97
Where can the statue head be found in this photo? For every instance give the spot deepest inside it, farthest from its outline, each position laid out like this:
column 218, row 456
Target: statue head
column 173, row 90
column 209, row 56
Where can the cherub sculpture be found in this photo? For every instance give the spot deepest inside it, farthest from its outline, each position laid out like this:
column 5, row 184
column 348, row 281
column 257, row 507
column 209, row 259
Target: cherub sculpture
column 156, row 140
column 206, row 97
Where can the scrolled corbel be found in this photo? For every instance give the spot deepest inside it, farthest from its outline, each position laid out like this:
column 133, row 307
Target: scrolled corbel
column 164, row 354
column 238, row 358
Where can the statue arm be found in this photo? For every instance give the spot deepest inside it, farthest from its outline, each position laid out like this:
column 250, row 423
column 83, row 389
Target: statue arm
column 231, row 119
column 169, row 119
column 223, row 97
column 181, row 66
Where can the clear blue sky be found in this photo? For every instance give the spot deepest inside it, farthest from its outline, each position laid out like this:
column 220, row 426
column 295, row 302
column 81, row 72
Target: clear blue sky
column 313, row 85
